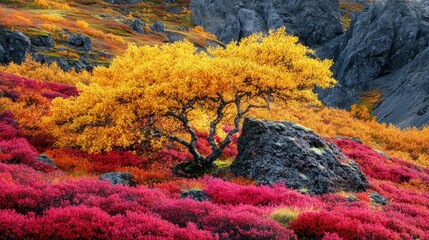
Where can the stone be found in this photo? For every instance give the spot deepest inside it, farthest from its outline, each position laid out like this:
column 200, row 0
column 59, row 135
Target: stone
column 271, row 152
column 377, row 198
column 138, row 26
column 80, row 42
column 43, row 41
column 196, row 195
column 124, row 178
column 158, row 26
column 14, row 46
column 46, row 160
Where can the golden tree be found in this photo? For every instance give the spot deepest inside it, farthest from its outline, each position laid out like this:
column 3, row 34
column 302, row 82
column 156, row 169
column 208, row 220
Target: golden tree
column 167, row 91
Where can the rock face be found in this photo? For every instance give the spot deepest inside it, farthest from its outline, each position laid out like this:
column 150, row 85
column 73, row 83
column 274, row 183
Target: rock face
column 313, row 21
column 271, row 152
column 381, row 39
column 124, row 178
column 406, row 94
column 13, row 46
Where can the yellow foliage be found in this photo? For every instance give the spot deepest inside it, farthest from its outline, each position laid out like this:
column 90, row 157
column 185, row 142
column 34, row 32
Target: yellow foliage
column 362, row 113
column 162, row 85
column 53, row 4
column 48, row 73
column 51, row 18
column 82, row 24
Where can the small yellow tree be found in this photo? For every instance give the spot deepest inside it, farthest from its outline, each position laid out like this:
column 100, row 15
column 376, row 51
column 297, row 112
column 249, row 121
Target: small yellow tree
column 160, row 91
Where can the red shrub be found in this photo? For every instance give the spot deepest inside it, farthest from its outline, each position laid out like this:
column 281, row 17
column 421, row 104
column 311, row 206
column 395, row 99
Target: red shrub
column 228, row 193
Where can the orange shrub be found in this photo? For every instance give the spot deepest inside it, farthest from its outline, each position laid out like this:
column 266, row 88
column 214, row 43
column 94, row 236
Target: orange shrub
column 148, row 177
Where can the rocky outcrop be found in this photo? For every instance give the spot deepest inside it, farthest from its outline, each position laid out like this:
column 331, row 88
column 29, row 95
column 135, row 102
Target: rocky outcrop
column 405, row 94
column 80, row 42
column 124, row 178
column 271, row 152
column 43, row 42
column 314, row 21
column 14, row 46
column 381, row 39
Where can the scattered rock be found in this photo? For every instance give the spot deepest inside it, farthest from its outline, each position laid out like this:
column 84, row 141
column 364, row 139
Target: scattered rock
column 14, row 46
column 271, row 152
column 80, row 42
column 377, row 198
column 124, row 178
column 158, row 26
column 46, row 160
column 196, row 195
column 138, row 26
column 352, row 199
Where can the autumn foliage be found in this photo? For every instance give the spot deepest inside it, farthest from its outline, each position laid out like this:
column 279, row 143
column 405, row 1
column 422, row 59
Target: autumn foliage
column 141, row 99
column 69, row 124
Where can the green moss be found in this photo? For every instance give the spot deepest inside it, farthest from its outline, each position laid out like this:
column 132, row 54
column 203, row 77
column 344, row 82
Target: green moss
column 303, row 190
column 285, row 216
column 318, row 151
column 35, row 32
column 299, row 127
column 223, row 163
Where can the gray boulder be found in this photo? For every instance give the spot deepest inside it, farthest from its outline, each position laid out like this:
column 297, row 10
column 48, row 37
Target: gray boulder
column 158, row 26
column 46, row 160
column 314, row 21
column 124, row 178
column 196, row 195
column 271, row 152
column 377, row 198
column 14, row 46
column 80, row 42
column 138, row 26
